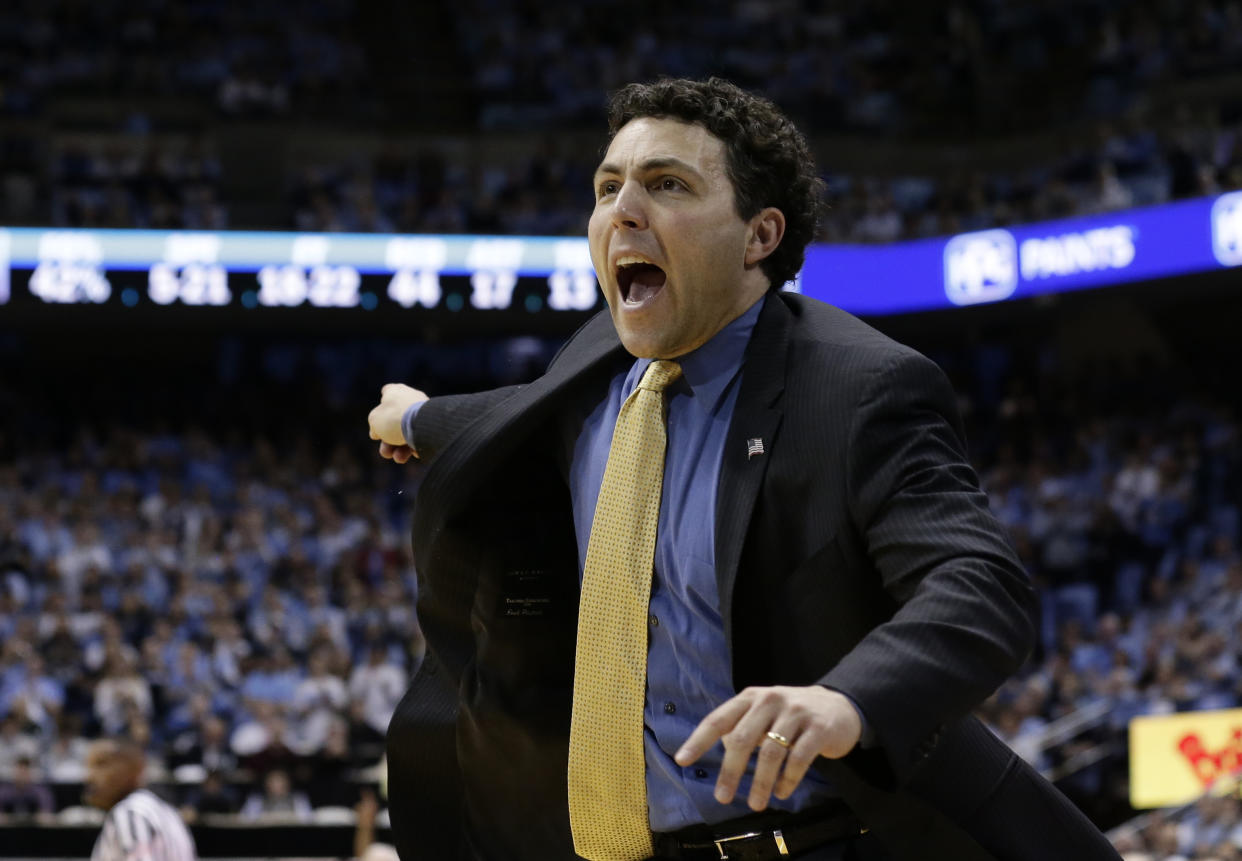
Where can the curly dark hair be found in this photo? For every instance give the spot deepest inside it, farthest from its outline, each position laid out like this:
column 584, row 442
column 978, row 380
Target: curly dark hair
column 767, row 158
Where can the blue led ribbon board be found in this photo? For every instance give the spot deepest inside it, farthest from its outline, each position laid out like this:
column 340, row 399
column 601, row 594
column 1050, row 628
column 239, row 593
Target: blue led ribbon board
column 549, row 274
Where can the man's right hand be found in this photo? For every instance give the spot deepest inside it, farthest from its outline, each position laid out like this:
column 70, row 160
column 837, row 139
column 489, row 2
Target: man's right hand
column 385, row 420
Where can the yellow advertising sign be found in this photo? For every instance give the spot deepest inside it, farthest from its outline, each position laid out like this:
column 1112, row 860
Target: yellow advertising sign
column 1176, row 758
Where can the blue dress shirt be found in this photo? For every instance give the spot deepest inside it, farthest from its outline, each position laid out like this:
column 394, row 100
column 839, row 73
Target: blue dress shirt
column 688, row 670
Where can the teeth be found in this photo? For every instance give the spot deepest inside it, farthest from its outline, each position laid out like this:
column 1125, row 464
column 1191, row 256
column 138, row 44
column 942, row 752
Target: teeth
column 631, row 259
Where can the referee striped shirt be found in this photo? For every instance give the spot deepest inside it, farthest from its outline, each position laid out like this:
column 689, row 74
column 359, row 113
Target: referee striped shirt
column 141, row 827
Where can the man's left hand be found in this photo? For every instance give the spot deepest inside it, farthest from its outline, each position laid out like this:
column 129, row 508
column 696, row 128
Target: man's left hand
column 815, row 720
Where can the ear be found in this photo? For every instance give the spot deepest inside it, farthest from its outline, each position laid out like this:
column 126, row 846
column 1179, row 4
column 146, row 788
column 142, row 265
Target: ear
column 764, row 233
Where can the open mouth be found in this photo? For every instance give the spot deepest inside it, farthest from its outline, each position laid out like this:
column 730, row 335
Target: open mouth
column 639, row 281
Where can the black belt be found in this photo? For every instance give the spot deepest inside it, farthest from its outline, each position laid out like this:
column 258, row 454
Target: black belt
column 762, row 837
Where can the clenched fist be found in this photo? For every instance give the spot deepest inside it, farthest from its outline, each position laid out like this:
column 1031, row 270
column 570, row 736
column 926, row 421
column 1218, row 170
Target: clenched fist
column 385, row 420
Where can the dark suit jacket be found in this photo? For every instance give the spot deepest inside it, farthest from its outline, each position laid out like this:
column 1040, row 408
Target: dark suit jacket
column 856, row 552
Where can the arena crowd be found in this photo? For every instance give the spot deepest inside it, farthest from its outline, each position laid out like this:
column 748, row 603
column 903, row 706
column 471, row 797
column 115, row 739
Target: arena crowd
column 945, row 76
column 242, row 598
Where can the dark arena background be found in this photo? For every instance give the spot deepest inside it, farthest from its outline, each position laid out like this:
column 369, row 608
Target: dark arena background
column 224, row 225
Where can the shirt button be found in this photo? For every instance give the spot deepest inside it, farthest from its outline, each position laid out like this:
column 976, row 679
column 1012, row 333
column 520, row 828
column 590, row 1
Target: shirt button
column 700, row 773
column 670, row 708
column 655, row 622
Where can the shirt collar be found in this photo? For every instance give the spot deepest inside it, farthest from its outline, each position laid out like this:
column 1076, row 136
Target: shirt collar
column 708, row 370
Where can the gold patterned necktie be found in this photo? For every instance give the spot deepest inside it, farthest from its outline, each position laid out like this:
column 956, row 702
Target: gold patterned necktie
column 607, row 767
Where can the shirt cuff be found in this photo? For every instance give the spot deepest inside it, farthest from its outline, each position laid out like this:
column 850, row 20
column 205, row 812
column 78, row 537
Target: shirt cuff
column 407, row 423
column 867, row 739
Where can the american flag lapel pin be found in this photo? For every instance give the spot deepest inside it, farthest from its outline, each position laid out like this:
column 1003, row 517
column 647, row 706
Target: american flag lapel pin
column 753, row 447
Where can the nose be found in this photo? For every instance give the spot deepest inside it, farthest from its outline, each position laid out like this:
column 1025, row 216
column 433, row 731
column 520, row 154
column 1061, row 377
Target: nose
column 628, row 209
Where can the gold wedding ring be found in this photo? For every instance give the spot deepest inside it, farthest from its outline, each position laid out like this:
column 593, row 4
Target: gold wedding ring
column 779, row 739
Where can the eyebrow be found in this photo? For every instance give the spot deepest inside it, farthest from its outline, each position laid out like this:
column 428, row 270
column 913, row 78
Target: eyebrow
column 657, row 163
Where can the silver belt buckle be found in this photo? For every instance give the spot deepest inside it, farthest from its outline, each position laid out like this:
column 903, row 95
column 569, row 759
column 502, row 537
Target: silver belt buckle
column 724, row 856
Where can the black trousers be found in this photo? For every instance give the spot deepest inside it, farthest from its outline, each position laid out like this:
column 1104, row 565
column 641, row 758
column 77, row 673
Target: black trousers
column 862, row 848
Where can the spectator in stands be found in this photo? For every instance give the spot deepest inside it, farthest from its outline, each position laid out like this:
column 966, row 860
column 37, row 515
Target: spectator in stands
column 326, row 618
column 318, row 701
column 58, row 645
column 229, row 651
column 106, row 646
column 190, row 675
column 248, row 92
column 212, row 797
column 375, row 688
column 260, row 738
column 204, row 744
column 274, row 677
column 1109, row 193
column 277, row 801
column 328, row 771
column 30, row 693
column 65, row 760
column 24, row 796
column 270, row 622
column 120, row 693
column 87, row 551
column 16, row 745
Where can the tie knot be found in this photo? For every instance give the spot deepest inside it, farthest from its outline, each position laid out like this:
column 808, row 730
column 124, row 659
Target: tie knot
column 659, row 375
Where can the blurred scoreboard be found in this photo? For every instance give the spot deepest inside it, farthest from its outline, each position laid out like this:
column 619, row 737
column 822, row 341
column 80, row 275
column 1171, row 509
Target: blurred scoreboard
column 130, row 268
column 534, row 282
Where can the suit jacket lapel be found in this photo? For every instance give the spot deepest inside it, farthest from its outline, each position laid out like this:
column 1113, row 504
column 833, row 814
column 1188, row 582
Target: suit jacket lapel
column 756, row 417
